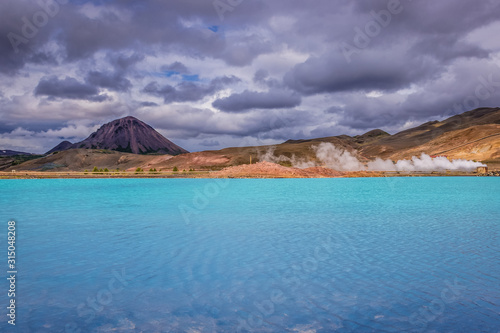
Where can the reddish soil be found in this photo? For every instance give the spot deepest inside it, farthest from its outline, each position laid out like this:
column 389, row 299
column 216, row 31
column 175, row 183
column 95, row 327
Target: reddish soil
column 272, row 170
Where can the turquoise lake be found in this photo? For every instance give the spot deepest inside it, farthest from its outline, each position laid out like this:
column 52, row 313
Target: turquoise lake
column 276, row 255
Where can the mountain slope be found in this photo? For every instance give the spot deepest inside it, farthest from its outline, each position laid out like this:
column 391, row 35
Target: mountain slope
column 389, row 147
column 130, row 135
column 479, row 142
column 81, row 159
column 65, row 145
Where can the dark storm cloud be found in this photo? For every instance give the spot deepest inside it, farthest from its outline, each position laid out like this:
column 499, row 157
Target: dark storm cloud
column 446, row 18
column 122, row 62
column 447, row 48
column 111, row 81
column 188, row 91
column 334, row 109
column 290, row 48
column 191, row 123
column 429, row 38
column 248, row 100
column 209, row 143
column 245, row 49
column 123, row 25
column 68, row 88
column 261, row 75
column 115, row 80
column 13, row 45
column 176, row 67
column 331, row 74
column 479, row 87
column 147, row 104
column 42, row 58
column 131, row 24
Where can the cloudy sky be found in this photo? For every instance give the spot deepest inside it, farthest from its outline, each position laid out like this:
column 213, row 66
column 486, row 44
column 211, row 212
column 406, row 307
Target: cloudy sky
column 211, row 74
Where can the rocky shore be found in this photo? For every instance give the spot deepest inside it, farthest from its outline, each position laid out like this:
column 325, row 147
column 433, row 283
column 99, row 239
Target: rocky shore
column 490, row 174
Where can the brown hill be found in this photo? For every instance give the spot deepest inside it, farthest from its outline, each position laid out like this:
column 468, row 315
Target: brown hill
column 272, row 170
column 395, row 145
column 480, row 142
column 218, row 159
column 81, row 159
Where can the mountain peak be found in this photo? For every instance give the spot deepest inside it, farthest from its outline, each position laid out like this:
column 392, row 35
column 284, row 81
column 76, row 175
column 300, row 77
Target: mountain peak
column 65, row 145
column 128, row 119
column 130, row 135
column 127, row 134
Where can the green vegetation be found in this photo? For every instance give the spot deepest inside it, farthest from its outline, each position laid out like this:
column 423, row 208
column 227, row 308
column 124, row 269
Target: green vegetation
column 51, row 166
column 175, row 169
column 106, row 170
column 95, row 169
column 138, row 170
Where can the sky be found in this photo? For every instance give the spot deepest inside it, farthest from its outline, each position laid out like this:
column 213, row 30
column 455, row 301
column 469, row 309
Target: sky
column 212, row 74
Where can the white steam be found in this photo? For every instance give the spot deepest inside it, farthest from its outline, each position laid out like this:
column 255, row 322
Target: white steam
column 342, row 160
column 337, row 159
column 269, row 156
column 424, row 163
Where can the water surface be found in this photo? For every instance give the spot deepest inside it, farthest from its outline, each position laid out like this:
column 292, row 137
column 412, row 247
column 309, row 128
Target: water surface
column 290, row 255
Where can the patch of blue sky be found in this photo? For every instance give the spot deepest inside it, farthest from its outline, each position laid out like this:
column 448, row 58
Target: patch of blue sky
column 191, row 78
column 184, row 77
column 213, row 28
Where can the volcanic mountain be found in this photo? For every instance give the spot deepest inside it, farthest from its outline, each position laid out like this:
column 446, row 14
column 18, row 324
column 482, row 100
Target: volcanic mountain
column 128, row 135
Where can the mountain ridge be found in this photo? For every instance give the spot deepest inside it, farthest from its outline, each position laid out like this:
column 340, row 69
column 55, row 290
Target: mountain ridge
column 8, row 152
column 473, row 135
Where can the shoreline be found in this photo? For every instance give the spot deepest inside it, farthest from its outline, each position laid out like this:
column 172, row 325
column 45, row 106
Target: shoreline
column 213, row 175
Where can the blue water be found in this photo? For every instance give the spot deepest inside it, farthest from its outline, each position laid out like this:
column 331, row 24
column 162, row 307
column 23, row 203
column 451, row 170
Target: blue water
column 298, row 255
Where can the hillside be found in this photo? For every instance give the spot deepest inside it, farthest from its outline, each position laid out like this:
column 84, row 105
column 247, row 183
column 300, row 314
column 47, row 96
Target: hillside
column 421, row 138
column 81, row 159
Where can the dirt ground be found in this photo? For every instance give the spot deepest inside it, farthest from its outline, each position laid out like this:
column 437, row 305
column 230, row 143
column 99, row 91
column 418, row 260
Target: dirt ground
column 257, row 170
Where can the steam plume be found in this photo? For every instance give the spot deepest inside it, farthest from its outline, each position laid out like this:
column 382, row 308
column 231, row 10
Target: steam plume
column 342, row 160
